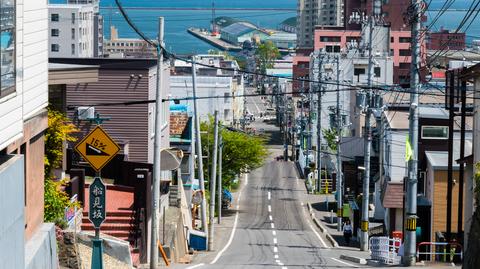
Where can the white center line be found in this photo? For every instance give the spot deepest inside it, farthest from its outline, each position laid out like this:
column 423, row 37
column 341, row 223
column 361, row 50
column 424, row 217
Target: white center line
column 273, row 225
column 270, row 217
column 284, row 267
column 269, row 196
column 281, row 264
column 275, row 249
column 274, row 233
column 277, row 261
column 269, row 208
column 346, row 263
column 275, row 240
column 301, row 203
column 276, row 256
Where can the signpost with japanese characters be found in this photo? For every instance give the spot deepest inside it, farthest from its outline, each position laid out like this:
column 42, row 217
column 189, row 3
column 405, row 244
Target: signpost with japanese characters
column 96, row 212
column 97, row 148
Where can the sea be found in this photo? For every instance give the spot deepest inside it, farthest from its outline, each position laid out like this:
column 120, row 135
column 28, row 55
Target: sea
column 145, row 13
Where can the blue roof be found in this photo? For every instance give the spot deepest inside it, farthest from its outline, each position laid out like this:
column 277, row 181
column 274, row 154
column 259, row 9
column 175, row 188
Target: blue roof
column 238, row 29
column 178, row 107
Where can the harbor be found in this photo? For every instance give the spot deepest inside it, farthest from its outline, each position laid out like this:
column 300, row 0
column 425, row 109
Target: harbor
column 213, row 40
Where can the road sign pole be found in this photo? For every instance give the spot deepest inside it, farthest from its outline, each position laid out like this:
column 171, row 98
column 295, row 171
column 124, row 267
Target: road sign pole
column 97, row 214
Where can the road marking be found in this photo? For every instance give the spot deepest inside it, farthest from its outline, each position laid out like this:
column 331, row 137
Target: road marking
column 269, row 196
column 269, row 208
column 301, row 203
column 346, row 263
column 277, row 261
column 195, row 266
column 270, row 217
column 276, row 256
column 274, row 233
column 232, row 234
column 275, row 249
column 273, row 225
column 284, row 267
column 319, row 237
column 281, row 263
column 275, row 240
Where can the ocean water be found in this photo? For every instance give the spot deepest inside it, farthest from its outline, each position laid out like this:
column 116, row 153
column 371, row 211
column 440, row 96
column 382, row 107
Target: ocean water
column 178, row 40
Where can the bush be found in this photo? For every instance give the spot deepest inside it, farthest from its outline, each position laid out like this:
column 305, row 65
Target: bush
column 55, row 201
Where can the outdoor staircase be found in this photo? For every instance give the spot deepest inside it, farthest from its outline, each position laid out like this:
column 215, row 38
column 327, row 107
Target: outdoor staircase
column 119, row 224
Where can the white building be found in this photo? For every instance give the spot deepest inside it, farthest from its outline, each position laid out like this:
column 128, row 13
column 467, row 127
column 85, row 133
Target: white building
column 25, row 240
column 75, row 30
column 316, row 12
column 117, row 47
column 217, row 92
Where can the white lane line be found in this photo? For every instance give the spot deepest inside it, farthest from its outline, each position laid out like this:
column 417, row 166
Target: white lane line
column 269, row 208
column 277, row 261
column 232, row 234
column 275, row 250
column 346, row 263
column 273, row 225
column 270, row 217
column 284, row 267
column 276, row 256
column 269, row 195
column 274, row 233
column 195, row 266
column 301, row 203
column 281, row 263
column 275, row 240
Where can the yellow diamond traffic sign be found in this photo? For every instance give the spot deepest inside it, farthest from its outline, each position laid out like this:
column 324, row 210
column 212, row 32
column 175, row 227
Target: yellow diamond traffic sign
column 97, row 148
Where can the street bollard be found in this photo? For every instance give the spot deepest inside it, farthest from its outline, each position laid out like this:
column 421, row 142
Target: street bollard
column 326, row 203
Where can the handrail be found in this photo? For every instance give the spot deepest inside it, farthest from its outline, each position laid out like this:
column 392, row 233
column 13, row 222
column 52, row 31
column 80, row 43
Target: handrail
column 443, row 253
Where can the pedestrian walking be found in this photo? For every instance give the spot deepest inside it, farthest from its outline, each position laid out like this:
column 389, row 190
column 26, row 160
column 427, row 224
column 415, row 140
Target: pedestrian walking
column 347, row 231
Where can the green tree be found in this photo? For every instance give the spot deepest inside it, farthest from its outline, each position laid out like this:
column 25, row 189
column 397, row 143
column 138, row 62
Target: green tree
column 241, row 152
column 266, row 54
column 59, row 130
column 331, row 136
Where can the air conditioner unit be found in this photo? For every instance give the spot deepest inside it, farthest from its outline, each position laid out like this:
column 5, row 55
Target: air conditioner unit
column 85, row 112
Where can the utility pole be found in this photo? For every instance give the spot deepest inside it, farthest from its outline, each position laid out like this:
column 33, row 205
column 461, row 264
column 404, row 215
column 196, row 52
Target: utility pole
column 367, row 142
column 198, row 142
column 213, row 178
column 220, row 190
column 409, row 258
column 285, row 128
column 339, row 158
column 319, row 121
column 157, row 147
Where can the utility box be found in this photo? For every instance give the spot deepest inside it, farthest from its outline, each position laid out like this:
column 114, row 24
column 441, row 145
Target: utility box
column 198, row 240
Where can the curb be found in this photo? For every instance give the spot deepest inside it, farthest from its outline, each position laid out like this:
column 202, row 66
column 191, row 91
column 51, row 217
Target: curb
column 321, row 227
column 354, row 259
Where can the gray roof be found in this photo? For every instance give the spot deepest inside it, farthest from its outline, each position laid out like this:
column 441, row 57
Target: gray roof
column 238, row 28
column 439, row 159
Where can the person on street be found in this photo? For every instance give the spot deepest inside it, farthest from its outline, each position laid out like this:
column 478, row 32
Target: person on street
column 347, row 231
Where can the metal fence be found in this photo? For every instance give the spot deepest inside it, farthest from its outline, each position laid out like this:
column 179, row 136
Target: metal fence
column 440, row 251
column 385, row 249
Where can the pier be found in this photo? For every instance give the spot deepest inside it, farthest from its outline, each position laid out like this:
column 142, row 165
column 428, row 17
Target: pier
column 214, row 41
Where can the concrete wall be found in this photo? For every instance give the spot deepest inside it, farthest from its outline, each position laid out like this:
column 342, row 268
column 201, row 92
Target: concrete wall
column 41, row 249
column 12, row 240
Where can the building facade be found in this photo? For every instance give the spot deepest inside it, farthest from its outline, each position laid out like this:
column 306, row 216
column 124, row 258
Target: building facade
column 311, row 13
column 446, row 40
column 75, row 30
column 25, row 240
column 117, row 47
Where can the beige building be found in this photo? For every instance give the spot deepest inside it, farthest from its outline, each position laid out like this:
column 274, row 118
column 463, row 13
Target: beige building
column 316, row 12
column 118, row 47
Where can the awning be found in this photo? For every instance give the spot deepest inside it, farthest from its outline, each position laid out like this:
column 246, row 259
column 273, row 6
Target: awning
column 393, row 195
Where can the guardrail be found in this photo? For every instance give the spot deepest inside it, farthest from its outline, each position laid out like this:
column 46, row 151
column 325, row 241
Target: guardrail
column 440, row 249
column 384, row 249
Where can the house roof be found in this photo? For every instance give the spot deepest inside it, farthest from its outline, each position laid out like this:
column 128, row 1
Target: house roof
column 238, row 29
column 439, row 159
column 109, row 63
column 292, row 21
column 399, row 119
column 393, row 195
column 224, row 21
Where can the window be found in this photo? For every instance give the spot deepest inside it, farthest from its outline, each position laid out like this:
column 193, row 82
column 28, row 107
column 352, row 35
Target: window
column 405, row 53
column 332, row 48
column 353, row 38
column 377, row 71
column 54, row 17
column 359, row 71
column 404, row 66
column 73, row 18
column 73, row 33
column 392, row 52
column 55, row 32
column 226, row 97
column 392, row 39
column 7, row 48
column 55, row 47
column 73, row 49
column 330, row 39
column 434, row 132
column 404, row 39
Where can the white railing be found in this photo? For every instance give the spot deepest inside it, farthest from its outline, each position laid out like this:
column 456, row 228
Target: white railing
column 385, row 249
